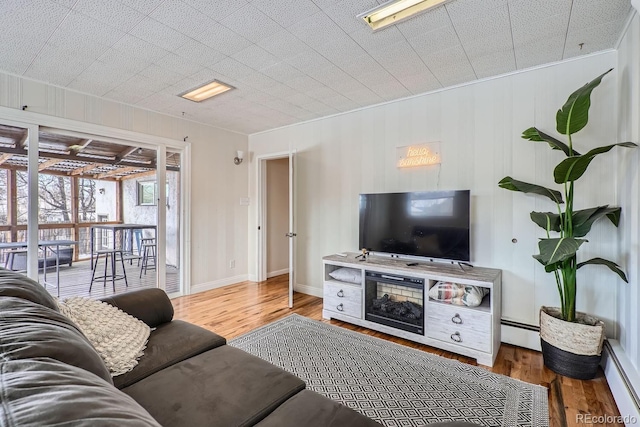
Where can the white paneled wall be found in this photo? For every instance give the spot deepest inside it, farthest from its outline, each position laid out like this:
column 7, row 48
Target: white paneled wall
column 479, row 127
column 218, row 221
column 629, row 190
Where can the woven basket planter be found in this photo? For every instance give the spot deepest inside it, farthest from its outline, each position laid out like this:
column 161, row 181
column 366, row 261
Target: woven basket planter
column 572, row 349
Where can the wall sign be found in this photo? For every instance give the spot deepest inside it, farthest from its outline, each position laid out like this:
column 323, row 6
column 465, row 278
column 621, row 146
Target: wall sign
column 418, row 155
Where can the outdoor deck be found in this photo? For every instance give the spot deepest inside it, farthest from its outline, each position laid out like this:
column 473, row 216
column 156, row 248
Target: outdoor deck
column 75, row 280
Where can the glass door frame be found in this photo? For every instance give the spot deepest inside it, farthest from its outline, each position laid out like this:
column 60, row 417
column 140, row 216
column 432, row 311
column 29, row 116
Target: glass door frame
column 36, row 122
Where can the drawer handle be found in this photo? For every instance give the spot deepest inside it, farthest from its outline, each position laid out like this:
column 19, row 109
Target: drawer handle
column 456, row 337
column 457, row 319
column 340, row 293
column 340, row 307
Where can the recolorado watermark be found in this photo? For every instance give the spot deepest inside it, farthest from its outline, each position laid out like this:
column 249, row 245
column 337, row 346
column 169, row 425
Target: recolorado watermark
column 606, row 419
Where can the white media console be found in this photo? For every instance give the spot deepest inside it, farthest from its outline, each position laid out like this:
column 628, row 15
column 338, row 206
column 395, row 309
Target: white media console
column 470, row 331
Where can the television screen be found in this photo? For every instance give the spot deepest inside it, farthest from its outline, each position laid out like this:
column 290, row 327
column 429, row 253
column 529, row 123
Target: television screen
column 431, row 224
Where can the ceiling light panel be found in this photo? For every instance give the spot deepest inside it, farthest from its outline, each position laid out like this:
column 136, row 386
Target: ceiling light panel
column 206, row 91
column 397, row 11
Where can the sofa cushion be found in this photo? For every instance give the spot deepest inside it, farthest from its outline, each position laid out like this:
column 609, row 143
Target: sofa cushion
column 309, row 409
column 168, row 344
column 29, row 330
column 224, row 386
column 18, row 285
column 150, row 305
column 38, row 392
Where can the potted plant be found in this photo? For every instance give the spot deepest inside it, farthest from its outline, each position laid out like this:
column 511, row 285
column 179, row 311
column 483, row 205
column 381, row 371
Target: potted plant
column 571, row 341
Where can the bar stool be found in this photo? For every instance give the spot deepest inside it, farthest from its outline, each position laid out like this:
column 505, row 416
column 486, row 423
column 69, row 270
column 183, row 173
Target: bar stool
column 109, row 255
column 148, row 255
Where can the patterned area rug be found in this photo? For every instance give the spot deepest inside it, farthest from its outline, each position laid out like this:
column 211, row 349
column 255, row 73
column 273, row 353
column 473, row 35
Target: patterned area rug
column 393, row 384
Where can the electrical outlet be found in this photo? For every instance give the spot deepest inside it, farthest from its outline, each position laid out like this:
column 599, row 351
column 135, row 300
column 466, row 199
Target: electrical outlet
column 232, row 263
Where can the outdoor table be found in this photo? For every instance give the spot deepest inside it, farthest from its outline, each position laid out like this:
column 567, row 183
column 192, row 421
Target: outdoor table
column 118, row 228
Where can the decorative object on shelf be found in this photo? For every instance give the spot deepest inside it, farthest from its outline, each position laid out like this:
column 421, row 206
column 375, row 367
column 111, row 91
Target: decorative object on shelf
column 457, row 294
column 558, row 252
column 349, row 275
column 239, row 157
column 363, row 255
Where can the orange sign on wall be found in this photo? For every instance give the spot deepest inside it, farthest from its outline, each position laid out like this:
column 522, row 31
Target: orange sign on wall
column 419, row 155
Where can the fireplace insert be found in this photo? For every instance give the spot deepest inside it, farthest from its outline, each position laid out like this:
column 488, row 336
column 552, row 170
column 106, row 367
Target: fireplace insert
column 395, row 301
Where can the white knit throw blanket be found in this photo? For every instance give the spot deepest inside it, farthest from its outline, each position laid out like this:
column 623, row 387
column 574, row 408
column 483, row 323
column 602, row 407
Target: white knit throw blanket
column 117, row 336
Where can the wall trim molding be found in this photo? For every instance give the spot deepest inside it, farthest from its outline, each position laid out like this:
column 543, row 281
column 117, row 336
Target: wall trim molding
column 277, row 273
column 207, row 286
column 621, row 376
column 309, row 290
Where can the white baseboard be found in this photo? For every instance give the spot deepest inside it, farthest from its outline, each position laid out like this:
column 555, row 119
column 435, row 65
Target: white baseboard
column 309, row 290
column 520, row 337
column 623, row 379
column 201, row 287
column 278, row 273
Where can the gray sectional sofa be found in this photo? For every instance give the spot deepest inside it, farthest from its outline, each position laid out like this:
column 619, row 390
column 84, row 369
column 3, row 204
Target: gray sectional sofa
column 51, row 375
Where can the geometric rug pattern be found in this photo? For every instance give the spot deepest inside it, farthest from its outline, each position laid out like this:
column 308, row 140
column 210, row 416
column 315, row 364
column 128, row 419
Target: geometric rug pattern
column 393, row 384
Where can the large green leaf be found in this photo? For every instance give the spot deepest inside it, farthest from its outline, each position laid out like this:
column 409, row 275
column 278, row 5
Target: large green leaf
column 584, row 219
column 574, row 114
column 612, row 266
column 534, row 134
column 547, row 220
column 572, row 168
column 556, row 250
column 524, row 187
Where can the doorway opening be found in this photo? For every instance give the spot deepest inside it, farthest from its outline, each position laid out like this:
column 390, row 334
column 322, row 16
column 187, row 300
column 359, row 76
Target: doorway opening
column 276, row 219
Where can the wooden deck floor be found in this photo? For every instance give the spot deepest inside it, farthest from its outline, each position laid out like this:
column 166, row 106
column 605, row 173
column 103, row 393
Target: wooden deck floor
column 75, row 280
column 236, row 309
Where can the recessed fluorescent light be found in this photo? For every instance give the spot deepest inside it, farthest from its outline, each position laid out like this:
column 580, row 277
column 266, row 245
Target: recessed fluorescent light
column 201, row 93
column 395, row 11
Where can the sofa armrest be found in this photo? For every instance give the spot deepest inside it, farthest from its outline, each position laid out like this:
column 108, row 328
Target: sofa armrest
column 152, row 306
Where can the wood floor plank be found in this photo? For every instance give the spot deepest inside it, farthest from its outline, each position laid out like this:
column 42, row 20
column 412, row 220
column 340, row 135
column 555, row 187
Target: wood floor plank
column 237, row 309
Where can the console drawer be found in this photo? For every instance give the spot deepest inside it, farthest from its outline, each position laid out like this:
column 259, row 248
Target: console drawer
column 459, row 325
column 343, row 299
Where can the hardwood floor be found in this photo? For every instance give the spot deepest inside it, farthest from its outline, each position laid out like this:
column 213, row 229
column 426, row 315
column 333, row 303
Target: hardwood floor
column 234, row 310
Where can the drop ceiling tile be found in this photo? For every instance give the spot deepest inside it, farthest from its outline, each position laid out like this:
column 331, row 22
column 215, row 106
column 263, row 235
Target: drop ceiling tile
column 373, row 41
column 16, row 59
column 328, row 75
column 439, row 39
column 420, row 83
column 282, row 72
column 460, row 10
column 299, row 99
column 286, row 12
column 194, row 51
column 589, row 13
column 346, row 84
column 303, row 83
column 159, row 34
column 86, row 34
column 279, row 90
column 259, row 80
column 308, row 60
column 425, row 22
column 363, row 97
column 66, row 3
column 92, row 85
column 231, row 67
column 317, row 30
column 57, row 66
column 180, row 65
column 595, row 38
column 143, row 6
column 283, row 45
column 139, row 49
column 255, row 57
column 391, row 55
column 217, row 9
column 360, row 65
column 495, row 24
column 182, row 18
column 345, row 14
column 343, row 52
column 223, row 39
column 251, row 23
column 156, row 76
column 452, row 60
column 494, row 63
column 111, row 13
column 540, row 51
column 526, row 29
column 125, row 61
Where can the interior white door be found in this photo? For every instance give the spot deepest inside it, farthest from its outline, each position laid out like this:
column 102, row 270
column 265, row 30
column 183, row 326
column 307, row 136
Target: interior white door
column 292, row 227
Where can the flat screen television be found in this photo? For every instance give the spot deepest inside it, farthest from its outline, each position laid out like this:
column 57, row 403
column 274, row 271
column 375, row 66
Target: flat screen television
column 430, row 224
